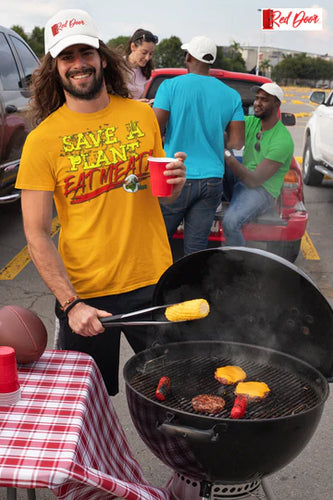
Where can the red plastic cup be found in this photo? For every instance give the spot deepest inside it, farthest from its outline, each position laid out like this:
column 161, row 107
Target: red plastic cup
column 159, row 185
column 8, row 370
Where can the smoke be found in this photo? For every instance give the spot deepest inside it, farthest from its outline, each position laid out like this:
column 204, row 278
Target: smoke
column 255, row 298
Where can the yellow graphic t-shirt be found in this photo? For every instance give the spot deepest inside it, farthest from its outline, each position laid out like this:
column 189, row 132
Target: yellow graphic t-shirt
column 112, row 238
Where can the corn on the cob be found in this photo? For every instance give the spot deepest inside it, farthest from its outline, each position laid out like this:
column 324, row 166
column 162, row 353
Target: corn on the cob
column 185, row 311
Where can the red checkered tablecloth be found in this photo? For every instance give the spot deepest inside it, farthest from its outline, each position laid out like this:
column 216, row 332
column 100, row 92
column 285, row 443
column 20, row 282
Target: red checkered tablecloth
column 64, row 434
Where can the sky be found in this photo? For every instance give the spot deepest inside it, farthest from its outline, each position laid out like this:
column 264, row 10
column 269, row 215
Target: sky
column 224, row 21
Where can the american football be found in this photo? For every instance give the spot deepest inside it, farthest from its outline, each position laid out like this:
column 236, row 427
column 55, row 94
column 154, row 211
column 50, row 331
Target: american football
column 23, row 330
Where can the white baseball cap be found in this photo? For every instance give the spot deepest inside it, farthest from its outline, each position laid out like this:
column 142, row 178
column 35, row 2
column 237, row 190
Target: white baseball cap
column 201, row 46
column 272, row 89
column 69, row 27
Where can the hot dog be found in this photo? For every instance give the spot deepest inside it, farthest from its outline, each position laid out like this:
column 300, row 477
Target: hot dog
column 163, row 388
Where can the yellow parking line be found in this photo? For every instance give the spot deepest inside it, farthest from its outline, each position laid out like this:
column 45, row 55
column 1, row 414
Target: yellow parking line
column 308, row 249
column 301, row 115
column 15, row 266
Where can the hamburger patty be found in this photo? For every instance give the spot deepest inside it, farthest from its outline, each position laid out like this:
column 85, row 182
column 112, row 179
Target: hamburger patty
column 230, row 374
column 206, row 403
column 254, row 391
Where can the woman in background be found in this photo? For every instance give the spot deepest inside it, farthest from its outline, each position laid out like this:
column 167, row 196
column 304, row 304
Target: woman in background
column 139, row 53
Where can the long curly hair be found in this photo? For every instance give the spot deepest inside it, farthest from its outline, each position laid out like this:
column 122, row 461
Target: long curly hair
column 47, row 91
column 137, row 39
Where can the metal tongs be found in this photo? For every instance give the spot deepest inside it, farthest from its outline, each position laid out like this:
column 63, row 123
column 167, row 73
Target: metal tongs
column 116, row 320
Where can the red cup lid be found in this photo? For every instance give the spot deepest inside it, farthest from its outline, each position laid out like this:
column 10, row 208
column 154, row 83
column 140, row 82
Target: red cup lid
column 162, row 159
column 6, row 351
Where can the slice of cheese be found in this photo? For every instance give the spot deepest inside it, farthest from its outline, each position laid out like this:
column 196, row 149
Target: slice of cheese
column 252, row 389
column 230, row 374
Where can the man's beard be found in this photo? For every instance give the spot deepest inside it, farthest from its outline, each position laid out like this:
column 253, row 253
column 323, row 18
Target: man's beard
column 88, row 93
column 267, row 113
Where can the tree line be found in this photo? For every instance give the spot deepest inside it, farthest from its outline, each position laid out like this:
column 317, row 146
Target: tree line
column 169, row 54
column 300, row 67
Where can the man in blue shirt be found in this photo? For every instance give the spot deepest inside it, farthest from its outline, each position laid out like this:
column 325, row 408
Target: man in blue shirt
column 196, row 112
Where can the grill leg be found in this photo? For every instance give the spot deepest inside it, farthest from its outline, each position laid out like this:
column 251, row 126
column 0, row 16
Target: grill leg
column 11, row 493
column 205, row 490
column 267, row 489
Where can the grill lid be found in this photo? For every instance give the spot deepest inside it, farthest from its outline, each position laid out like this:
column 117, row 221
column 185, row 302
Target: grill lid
column 256, row 298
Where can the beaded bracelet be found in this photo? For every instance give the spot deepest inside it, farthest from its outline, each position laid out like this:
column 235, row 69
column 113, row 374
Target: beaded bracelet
column 72, row 304
column 68, row 302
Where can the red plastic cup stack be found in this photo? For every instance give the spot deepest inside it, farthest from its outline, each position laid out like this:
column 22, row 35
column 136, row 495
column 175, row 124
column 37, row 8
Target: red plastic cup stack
column 10, row 391
column 159, row 185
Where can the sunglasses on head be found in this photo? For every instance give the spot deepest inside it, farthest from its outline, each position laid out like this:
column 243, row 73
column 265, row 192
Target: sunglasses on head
column 257, row 144
column 147, row 37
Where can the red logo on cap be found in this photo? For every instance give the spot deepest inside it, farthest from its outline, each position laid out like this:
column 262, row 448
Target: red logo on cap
column 55, row 29
column 71, row 23
column 74, row 22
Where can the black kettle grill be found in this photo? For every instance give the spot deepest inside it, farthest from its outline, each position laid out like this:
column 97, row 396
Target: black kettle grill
column 266, row 316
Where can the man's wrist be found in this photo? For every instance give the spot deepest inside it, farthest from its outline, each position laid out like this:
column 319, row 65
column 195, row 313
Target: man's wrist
column 68, row 302
column 227, row 153
column 71, row 305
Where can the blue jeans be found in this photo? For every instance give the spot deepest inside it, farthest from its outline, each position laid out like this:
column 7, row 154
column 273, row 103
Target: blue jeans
column 196, row 205
column 246, row 204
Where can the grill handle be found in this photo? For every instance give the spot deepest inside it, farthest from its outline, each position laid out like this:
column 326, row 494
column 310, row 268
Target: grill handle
column 193, row 434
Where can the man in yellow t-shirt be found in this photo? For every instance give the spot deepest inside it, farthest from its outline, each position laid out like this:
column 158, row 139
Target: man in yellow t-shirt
column 89, row 154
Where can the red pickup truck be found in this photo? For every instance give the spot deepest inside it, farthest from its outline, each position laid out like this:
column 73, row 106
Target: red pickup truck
column 279, row 231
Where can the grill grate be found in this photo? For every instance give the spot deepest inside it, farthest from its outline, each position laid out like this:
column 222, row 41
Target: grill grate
column 291, row 393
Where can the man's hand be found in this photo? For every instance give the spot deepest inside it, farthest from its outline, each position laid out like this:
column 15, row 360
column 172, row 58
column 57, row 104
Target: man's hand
column 83, row 320
column 252, row 178
column 177, row 170
column 148, row 101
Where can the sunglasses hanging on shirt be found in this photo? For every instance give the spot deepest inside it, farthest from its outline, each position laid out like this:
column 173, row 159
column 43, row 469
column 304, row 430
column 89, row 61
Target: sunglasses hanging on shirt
column 257, row 144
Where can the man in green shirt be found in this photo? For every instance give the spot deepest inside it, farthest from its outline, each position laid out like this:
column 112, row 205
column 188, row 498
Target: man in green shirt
column 267, row 155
